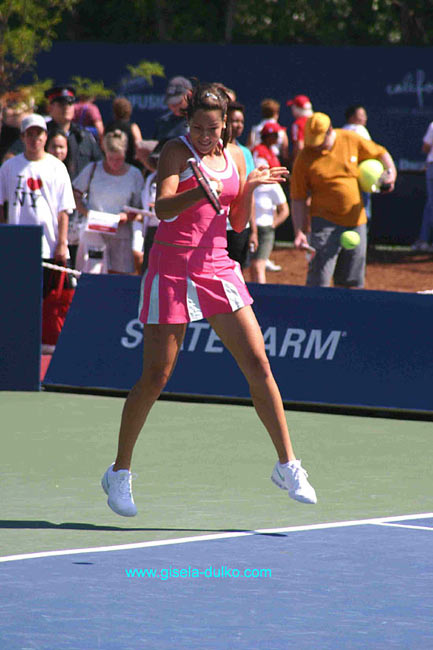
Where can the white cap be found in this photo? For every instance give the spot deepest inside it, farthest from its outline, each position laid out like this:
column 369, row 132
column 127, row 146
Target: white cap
column 33, row 120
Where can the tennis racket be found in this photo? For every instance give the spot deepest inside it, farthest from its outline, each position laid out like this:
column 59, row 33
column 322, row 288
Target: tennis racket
column 206, row 186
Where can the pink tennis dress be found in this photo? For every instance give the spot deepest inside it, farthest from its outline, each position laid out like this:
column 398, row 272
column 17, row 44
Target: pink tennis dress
column 190, row 275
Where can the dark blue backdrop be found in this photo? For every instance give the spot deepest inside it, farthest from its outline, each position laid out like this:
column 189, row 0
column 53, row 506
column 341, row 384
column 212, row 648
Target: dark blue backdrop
column 20, row 307
column 326, row 346
column 394, row 83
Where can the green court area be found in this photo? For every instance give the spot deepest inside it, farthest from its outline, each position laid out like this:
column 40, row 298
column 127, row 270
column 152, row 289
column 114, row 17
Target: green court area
column 200, row 468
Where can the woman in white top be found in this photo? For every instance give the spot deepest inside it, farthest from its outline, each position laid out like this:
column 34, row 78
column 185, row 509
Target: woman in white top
column 110, row 185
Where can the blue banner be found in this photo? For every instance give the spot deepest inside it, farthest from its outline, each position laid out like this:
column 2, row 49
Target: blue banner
column 394, row 83
column 326, row 346
column 20, row 302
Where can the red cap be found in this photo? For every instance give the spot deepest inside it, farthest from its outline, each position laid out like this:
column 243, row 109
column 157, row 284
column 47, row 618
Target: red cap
column 300, row 101
column 271, row 127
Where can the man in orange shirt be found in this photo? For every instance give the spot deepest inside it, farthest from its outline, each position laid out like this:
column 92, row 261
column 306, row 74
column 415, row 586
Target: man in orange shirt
column 327, row 169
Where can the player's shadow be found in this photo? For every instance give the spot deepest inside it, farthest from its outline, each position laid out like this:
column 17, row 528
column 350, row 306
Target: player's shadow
column 29, row 524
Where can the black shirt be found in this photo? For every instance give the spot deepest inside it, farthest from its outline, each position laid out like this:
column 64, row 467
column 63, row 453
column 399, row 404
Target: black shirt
column 82, row 147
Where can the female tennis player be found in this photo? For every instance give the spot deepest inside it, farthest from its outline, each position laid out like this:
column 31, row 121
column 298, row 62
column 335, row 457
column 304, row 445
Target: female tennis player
column 191, row 277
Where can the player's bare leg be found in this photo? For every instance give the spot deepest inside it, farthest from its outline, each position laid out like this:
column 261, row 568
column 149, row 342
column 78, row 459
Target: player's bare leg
column 241, row 334
column 161, row 346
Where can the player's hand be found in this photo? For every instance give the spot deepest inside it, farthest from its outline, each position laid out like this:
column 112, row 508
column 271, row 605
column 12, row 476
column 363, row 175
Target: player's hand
column 216, row 185
column 267, row 175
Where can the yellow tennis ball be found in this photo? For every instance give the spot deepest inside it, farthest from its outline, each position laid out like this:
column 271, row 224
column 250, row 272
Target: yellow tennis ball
column 370, row 172
column 350, row 239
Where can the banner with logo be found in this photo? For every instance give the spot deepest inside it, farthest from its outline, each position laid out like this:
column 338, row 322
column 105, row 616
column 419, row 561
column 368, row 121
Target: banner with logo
column 20, row 306
column 326, row 346
column 395, row 84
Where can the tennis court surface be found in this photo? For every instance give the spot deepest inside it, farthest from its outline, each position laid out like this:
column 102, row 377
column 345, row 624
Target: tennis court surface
column 217, row 557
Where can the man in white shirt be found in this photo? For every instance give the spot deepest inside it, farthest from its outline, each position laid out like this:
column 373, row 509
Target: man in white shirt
column 37, row 190
column 424, row 241
column 356, row 120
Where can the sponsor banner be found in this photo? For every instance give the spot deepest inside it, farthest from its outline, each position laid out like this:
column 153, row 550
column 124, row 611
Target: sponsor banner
column 326, row 346
column 395, row 83
column 20, row 304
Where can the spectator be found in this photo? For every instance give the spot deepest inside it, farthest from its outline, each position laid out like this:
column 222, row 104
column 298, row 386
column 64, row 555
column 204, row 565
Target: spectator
column 264, row 152
column 82, row 146
column 170, row 125
column 16, row 106
column 88, row 116
column 144, row 231
column 356, row 120
column 301, row 111
column 122, row 111
column 271, row 209
column 37, row 190
column 240, row 243
column 423, row 242
column 328, row 169
column 57, row 145
column 110, row 185
column 270, row 110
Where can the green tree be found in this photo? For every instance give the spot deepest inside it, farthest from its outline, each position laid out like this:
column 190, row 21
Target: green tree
column 146, row 69
column 26, row 28
column 274, row 22
column 85, row 87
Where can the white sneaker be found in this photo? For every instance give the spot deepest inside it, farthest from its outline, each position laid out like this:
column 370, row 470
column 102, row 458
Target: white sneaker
column 294, row 479
column 271, row 266
column 117, row 485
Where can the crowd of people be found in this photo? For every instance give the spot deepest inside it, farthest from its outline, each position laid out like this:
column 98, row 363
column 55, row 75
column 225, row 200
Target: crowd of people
column 112, row 171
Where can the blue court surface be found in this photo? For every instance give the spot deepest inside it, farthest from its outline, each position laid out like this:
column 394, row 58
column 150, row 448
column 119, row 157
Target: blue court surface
column 365, row 584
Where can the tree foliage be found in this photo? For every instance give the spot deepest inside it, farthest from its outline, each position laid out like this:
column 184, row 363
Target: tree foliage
column 325, row 22
column 146, row 69
column 85, row 87
column 26, row 28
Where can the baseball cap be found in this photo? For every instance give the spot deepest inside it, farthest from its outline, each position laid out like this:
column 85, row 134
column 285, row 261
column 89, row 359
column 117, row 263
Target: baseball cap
column 301, row 101
column 61, row 93
column 33, row 120
column 271, row 127
column 176, row 89
column 315, row 129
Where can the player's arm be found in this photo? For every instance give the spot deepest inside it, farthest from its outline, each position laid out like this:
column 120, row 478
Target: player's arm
column 254, row 236
column 61, row 252
column 171, row 163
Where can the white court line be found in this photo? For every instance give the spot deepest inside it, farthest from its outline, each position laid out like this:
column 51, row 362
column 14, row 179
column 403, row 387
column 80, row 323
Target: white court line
column 405, row 526
column 206, row 538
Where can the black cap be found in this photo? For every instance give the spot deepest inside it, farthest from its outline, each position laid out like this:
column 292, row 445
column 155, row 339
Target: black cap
column 61, row 93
